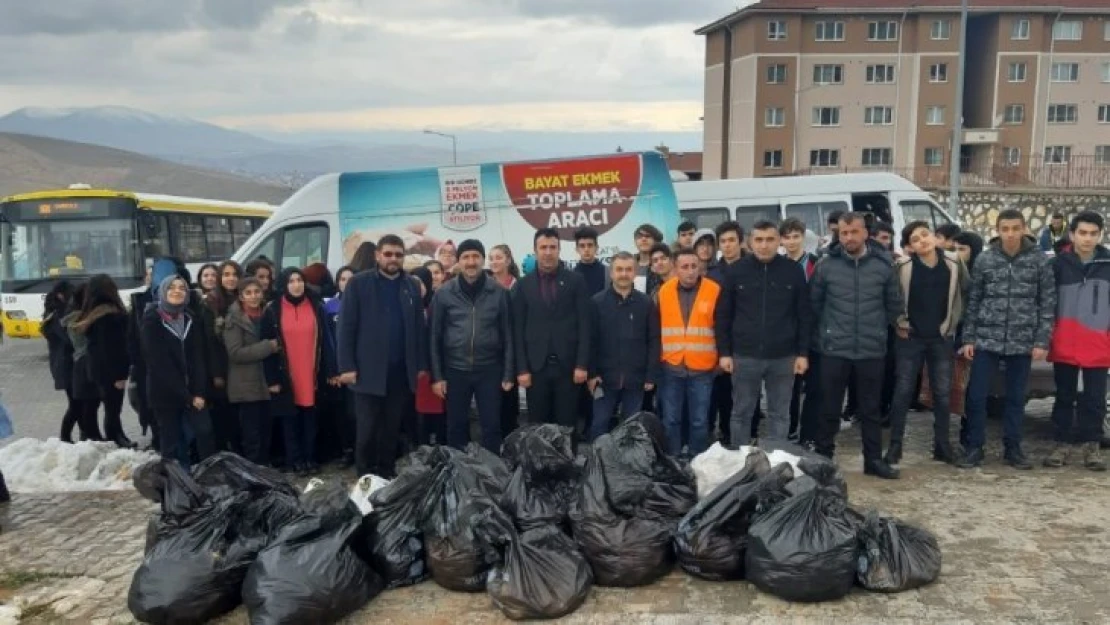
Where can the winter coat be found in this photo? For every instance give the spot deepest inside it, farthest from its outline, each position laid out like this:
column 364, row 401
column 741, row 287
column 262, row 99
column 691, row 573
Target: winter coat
column 213, row 342
column 1082, row 334
column 764, row 310
column 60, row 350
column 958, row 282
column 1012, row 302
column 856, row 301
column 246, row 353
column 469, row 335
column 276, row 366
column 175, row 367
column 106, row 329
column 625, row 340
column 83, row 387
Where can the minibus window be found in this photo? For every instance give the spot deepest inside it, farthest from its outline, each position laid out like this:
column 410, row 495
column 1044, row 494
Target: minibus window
column 815, row 214
column 706, row 217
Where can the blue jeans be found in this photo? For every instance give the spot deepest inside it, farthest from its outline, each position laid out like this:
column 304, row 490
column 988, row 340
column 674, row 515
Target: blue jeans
column 629, row 400
column 676, row 392
column 983, row 369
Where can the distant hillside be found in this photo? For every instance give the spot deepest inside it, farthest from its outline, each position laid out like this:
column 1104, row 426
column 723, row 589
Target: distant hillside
column 29, row 163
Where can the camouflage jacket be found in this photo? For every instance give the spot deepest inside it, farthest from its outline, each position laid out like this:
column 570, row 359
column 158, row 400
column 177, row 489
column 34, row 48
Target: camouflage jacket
column 1012, row 303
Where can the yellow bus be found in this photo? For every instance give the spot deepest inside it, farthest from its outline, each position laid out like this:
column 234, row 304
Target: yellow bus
column 72, row 234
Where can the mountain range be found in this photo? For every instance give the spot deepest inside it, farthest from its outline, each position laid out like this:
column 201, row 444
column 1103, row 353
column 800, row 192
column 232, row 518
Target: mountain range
column 285, row 159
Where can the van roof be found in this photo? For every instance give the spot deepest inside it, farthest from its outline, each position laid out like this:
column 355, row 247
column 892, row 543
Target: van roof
column 784, row 186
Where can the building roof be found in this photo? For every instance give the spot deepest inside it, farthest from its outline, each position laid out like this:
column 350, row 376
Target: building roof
column 911, row 6
column 686, row 162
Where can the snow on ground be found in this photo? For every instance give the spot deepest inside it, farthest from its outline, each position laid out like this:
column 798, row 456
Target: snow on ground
column 9, row 615
column 35, row 466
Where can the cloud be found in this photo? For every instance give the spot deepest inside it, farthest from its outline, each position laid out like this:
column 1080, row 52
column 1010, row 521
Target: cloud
column 73, row 17
column 630, row 13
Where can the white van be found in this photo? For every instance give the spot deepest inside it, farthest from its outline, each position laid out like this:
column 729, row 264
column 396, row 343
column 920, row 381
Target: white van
column 891, row 198
column 330, row 217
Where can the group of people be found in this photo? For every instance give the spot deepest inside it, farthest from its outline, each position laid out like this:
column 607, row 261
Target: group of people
column 726, row 333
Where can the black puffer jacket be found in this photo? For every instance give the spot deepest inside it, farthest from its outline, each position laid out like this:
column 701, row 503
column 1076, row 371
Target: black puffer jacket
column 855, row 301
column 467, row 335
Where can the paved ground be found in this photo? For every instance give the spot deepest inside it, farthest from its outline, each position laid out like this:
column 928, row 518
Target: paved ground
column 1018, row 547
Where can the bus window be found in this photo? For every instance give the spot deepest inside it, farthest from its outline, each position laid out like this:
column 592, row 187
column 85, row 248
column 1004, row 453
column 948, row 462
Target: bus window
column 191, row 244
column 156, row 236
column 241, row 230
column 918, row 210
column 303, row 245
column 217, row 231
column 705, row 217
column 815, row 214
column 746, row 216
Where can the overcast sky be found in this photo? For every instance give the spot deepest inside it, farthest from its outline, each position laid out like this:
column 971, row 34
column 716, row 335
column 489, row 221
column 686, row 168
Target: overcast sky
column 366, row 64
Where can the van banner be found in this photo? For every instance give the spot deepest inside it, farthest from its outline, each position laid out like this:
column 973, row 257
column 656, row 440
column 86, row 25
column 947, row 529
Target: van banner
column 461, row 198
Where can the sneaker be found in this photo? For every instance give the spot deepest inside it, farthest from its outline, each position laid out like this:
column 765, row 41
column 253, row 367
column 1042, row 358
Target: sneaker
column 973, row 458
column 1092, row 457
column 1059, row 456
column 1016, row 459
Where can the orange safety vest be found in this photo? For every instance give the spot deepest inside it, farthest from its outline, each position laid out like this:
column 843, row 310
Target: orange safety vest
column 693, row 344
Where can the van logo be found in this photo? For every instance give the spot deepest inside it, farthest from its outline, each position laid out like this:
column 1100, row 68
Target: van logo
column 461, row 198
column 568, row 195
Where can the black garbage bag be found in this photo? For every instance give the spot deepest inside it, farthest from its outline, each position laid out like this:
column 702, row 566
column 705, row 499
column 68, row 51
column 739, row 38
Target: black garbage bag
column 545, row 452
column 711, row 541
column 167, row 483
column 806, row 548
column 641, row 479
column 818, row 472
column 535, row 505
column 310, row 574
column 194, row 571
column 464, row 486
column 226, row 474
column 394, row 533
column 896, row 556
column 622, row 551
column 541, row 572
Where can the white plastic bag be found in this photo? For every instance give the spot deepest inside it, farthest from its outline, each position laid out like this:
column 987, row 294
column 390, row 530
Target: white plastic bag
column 716, row 464
column 360, row 493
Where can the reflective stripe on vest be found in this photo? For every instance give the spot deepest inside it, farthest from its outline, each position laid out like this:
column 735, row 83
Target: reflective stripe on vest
column 693, row 344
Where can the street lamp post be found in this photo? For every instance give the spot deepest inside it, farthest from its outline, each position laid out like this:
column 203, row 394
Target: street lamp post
column 958, row 121
column 454, row 144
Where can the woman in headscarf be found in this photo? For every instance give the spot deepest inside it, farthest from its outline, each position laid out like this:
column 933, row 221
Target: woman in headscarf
column 103, row 322
column 302, row 367
column 216, row 303
column 247, row 390
column 173, row 349
column 61, row 353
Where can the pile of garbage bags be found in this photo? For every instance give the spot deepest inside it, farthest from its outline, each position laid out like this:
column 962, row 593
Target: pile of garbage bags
column 534, row 529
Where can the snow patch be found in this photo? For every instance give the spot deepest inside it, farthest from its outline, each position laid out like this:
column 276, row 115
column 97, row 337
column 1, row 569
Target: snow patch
column 9, row 615
column 51, row 466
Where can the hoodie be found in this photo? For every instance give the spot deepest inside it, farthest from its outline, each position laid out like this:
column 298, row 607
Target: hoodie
column 1012, row 302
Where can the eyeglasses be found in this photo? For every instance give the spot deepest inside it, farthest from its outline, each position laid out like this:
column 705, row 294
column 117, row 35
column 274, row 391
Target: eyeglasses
column 392, row 254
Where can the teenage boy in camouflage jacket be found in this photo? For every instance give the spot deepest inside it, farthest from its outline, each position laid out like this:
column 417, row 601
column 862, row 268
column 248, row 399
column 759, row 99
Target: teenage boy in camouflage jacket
column 1010, row 312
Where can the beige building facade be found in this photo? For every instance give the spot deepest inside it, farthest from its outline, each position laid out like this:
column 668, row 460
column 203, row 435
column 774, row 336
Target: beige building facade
column 853, row 86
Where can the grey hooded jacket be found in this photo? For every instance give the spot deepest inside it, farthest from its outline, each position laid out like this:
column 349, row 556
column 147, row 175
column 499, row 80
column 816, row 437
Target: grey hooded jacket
column 855, row 301
column 1012, row 303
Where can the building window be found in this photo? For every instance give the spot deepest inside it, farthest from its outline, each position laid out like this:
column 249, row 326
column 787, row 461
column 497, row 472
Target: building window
column 1102, row 154
column 1057, row 154
column 1106, row 70
column 772, row 159
column 776, row 74
column 934, row 116
column 882, row 31
column 1011, row 156
column 875, row 157
column 934, row 157
column 1065, row 72
column 941, row 30
column 824, row 158
column 1020, row 29
column 826, row 116
column 878, row 115
column 1063, row 113
column 1071, row 30
column 776, row 30
column 830, row 31
column 828, row 74
column 1014, row 114
column 938, row 72
column 1106, row 31
column 880, row 74
column 774, row 117
column 1017, row 72
column 1104, row 113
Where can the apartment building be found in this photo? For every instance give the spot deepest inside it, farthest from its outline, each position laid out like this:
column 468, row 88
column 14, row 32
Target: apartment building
column 797, row 86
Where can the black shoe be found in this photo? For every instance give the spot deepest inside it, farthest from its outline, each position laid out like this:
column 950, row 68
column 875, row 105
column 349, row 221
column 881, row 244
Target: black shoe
column 123, row 442
column 880, row 468
column 942, row 452
column 893, row 454
column 1016, row 459
column 973, row 458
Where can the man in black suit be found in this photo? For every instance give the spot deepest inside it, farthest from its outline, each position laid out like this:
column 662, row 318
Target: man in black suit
column 551, row 329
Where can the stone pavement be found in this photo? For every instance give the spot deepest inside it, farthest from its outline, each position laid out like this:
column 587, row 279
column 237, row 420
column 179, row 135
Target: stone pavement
column 1018, row 547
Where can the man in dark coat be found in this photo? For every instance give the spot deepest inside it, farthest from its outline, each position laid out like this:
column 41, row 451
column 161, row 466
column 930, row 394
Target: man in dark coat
column 383, row 347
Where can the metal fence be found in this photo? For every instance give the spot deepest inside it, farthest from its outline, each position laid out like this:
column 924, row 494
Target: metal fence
column 1087, row 171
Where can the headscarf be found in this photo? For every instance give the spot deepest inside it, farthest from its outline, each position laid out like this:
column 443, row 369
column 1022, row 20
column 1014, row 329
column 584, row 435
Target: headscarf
column 425, row 276
column 163, row 268
column 172, row 314
column 282, row 285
